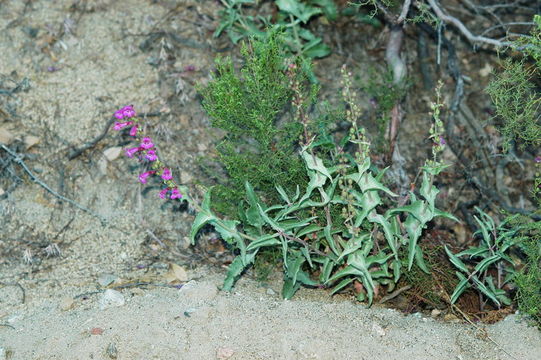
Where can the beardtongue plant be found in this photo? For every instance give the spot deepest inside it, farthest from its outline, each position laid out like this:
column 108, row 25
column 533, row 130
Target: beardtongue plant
column 361, row 245
column 146, row 152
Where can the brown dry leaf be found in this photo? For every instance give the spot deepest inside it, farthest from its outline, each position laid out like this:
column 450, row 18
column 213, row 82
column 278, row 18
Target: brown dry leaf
column 6, row 137
column 176, row 273
column 30, row 140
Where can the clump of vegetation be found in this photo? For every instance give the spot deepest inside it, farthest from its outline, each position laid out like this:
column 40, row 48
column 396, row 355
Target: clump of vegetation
column 517, row 102
column 515, row 95
column 341, row 226
column 257, row 147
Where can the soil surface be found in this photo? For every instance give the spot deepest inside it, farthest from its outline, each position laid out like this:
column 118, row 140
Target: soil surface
column 121, row 280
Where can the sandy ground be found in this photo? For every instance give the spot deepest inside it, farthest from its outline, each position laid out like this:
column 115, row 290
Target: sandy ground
column 200, row 322
column 76, row 81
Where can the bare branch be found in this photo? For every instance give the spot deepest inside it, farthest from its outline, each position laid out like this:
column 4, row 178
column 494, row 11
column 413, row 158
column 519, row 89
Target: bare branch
column 404, row 12
column 463, row 29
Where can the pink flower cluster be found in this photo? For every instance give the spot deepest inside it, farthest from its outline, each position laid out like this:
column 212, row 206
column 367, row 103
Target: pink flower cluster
column 146, row 151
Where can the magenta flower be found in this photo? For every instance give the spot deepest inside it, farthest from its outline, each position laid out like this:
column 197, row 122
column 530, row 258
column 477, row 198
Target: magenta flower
column 132, row 151
column 151, row 155
column 143, row 178
column 175, row 194
column 163, row 193
column 128, row 111
column 166, row 175
column 538, row 159
column 119, row 115
column 121, row 125
column 147, row 143
column 133, row 130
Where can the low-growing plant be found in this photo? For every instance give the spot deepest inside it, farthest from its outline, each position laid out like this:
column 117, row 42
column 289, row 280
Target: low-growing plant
column 362, row 244
column 291, row 18
column 491, row 265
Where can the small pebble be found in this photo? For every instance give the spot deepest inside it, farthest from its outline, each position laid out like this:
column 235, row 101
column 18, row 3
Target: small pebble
column 270, row 292
column 111, row 298
column 67, row 303
column 224, row 353
column 112, row 351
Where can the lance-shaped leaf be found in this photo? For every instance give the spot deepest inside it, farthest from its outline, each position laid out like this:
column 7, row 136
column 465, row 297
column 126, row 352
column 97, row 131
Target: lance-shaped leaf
column 460, row 288
column 368, row 182
column 202, row 218
column 266, row 240
column 354, row 244
column 315, row 163
column 456, row 261
column 387, row 230
column 489, row 294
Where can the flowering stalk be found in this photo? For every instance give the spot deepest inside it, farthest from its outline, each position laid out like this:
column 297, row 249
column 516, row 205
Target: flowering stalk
column 146, row 152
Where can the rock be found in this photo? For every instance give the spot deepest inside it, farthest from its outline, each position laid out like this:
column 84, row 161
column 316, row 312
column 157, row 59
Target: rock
column 67, row 303
column 2, row 192
column 111, row 298
column 377, row 329
column 270, row 292
column 112, row 153
column 435, row 313
column 450, row 317
column 106, row 279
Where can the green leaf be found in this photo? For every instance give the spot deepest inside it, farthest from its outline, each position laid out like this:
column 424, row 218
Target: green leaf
column 315, row 163
column 309, row 229
column 486, row 236
column 489, row 294
column 227, row 230
column 289, row 288
column 460, row 288
column 456, row 261
column 266, row 240
column 387, row 230
column 483, row 265
column 368, row 182
column 316, row 51
column 298, row 9
column 419, row 259
column 342, row 284
column 329, row 8
column 202, row 218
column 233, row 272
column 330, row 239
column 283, row 194
column 328, row 266
column 354, row 244
column 474, row 251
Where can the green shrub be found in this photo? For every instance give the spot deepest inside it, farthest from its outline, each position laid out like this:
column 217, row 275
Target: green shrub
column 248, row 106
